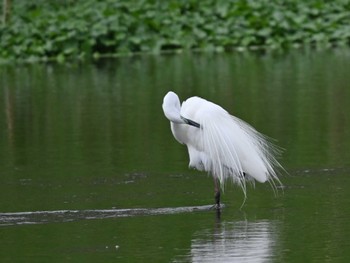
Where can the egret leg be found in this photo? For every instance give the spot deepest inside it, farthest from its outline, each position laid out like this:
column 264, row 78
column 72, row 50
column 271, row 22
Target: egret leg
column 217, row 193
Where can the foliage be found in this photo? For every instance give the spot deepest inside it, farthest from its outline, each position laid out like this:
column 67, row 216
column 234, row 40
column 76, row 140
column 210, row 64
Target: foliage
column 91, row 28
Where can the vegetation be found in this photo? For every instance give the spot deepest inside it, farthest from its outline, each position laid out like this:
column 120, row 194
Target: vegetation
column 59, row 29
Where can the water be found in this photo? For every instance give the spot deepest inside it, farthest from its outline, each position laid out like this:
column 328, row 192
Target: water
column 91, row 173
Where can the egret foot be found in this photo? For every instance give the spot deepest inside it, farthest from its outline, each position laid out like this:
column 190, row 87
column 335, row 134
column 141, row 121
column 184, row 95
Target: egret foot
column 217, row 199
column 217, row 193
column 216, row 207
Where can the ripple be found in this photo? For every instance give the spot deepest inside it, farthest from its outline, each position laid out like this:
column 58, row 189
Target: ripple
column 44, row 217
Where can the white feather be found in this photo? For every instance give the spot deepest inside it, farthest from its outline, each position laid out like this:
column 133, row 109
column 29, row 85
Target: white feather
column 224, row 145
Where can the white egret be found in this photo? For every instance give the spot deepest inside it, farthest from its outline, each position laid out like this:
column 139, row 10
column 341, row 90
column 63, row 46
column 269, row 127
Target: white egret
column 221, row 144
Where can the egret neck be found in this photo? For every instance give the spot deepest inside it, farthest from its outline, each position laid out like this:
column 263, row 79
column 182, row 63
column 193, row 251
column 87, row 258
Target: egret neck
column 171, row 107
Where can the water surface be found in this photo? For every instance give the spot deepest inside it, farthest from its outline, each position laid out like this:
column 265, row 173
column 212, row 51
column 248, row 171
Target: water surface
column 92, row 137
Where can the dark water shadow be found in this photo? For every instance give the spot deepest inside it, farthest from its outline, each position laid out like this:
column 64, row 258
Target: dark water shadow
column 44, row 217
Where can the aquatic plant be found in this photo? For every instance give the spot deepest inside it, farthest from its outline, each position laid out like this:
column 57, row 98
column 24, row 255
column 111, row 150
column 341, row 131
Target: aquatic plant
column 63, row 29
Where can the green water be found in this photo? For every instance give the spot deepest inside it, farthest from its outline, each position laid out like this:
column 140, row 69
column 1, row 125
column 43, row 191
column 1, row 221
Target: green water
column 93, row 137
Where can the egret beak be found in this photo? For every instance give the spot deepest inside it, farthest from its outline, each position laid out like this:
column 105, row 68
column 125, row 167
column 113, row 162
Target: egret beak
column 191, row 122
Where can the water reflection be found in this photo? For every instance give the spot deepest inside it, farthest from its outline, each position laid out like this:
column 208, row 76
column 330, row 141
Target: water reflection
column 240, row 241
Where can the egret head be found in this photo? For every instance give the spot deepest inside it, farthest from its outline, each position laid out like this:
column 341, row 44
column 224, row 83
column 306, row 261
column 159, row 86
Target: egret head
column 171, row 107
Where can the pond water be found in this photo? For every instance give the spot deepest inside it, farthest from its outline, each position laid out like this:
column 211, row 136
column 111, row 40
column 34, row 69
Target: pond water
column 90, row 171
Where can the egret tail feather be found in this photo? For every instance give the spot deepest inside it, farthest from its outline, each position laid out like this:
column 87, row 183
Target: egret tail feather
column 233, row 146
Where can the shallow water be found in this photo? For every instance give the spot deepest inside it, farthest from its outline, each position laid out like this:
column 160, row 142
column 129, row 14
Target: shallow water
column 91, row 173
